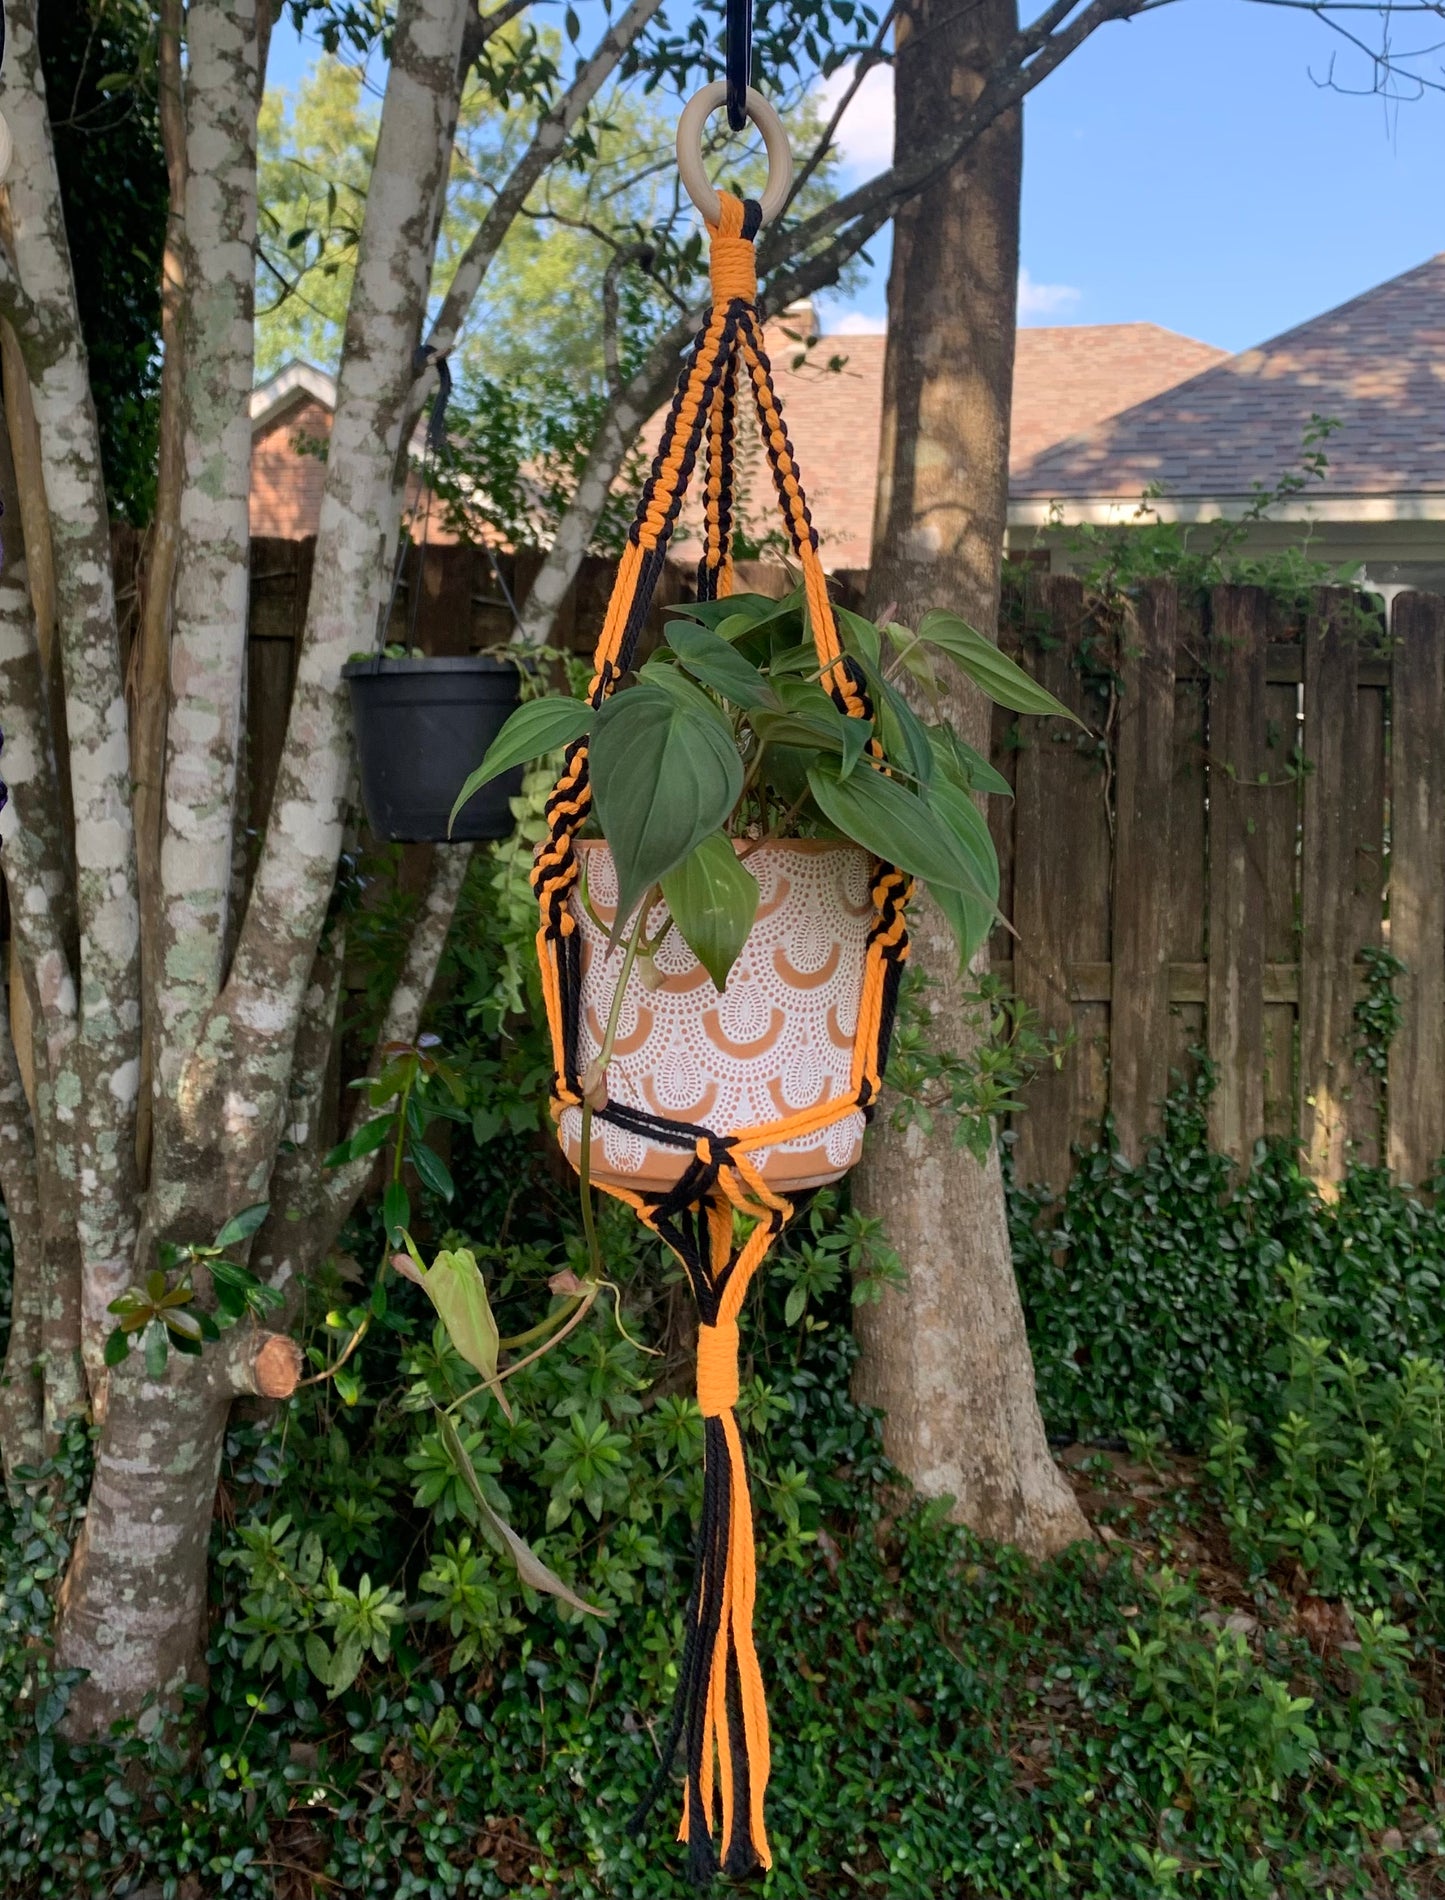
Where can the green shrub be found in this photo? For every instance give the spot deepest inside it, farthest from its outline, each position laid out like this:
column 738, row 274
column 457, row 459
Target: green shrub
column 948, row 1721
column 391, row 1713
column 1344, row 1471
column 1149, row 1288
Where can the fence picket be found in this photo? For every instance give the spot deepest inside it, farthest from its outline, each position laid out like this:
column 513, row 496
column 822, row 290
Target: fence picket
column 1280, row 817
column 1417, row 883
column 1139, row 1045
column 1061, row 892
column 1238, row 760
column 1334, row 903
column 1188, row 855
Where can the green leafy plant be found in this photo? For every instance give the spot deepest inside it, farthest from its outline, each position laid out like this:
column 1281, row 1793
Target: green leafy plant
column 164, row 1311
column 729, row 737
column 1380, row 1012
column 1152, row 1285
column 1342, row 1469
column 959, row 1719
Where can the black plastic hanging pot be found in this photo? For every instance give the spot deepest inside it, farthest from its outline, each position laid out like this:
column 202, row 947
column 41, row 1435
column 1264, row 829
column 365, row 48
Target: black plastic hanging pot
column 421, row 728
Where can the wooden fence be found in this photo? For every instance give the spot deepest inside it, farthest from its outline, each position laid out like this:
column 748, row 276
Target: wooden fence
column 1257, row 803
column 1256, row 799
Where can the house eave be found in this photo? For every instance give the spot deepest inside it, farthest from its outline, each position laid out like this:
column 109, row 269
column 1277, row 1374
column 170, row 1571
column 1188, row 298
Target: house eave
column 1117, row 511
column 292, row 385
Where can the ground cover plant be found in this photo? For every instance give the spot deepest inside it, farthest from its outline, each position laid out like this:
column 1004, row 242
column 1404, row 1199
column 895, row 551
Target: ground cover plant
column 1206, row 1702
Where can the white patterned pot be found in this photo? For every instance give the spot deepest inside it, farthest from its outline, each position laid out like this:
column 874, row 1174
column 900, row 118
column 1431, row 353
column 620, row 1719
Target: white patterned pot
column 778, row 1040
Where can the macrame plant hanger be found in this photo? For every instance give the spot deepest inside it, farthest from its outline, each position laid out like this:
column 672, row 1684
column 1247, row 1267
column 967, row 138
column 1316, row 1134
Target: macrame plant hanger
column 720, row 1717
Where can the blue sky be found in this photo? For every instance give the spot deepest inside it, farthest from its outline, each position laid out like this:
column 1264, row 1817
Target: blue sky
column 1189, row 170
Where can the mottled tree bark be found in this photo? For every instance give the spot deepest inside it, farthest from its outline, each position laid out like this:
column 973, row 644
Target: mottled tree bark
column 109, row 1050
column 133, row 1604
column 253, row 1023
column 43, row 1146
column 208, row 640
column 22, row 1380
column 150, row 666
column 946, row 1355
column 130, row 1611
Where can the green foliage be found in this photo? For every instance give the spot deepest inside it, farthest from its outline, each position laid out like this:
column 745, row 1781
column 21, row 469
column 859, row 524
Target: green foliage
column 1299, row 1343
column 1114, row 562
column 729, row 732
column 399, row 1707
column 1150, row 1287
column 949, row 1719
column 1347, row 1475
column 99, row 62
column 162, row 1312
column 977, row 1092
column 1380, row 1012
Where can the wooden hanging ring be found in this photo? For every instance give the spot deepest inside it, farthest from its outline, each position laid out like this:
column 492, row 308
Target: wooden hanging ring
column 695, row 115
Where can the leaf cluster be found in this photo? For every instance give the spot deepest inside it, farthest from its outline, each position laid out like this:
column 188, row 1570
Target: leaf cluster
column 1150, row 1286
column 163, row 1312
column 729, row 735
column 393, row 1703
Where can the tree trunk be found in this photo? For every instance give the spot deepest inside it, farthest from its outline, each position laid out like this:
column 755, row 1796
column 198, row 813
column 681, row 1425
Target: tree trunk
column 946, row 1356
column 132, row 1609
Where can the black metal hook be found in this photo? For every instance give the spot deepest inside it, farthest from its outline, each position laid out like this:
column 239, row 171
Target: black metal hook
column 739, row 60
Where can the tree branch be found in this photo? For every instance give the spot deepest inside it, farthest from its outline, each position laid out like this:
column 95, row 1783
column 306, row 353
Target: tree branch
column 249, row 1036
column 151, row 660
column 311, row 1208
column 208, row 642
column 22, row 1384
column 548, row 140
column 639, row 400
column 482, row 27
column 37, row 877
column 862, row 66
column 94, row 696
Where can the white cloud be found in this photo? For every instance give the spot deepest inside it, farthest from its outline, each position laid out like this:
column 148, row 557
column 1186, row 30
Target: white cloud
column 865, row 134
column 1044, row 300
column 858, row 323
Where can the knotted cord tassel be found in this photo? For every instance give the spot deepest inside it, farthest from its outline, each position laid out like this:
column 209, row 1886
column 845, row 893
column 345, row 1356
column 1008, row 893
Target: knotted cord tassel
column 720, row 1716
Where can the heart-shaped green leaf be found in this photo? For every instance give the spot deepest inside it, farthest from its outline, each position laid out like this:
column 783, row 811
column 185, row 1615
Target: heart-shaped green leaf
column 905, row 738
column 713, row 900
column 663, row 776
column 752, row 609
column 859, row 636
column 671, row 679
column 969, row 918
column 531, row 732
column 970, row 833
column 709, row 658
column 811, row 721
column 998, row 676
column 454, row 1285
column 886, row 818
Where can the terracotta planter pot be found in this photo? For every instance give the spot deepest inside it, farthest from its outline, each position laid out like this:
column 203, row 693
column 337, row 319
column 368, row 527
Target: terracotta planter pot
column 779, row 1039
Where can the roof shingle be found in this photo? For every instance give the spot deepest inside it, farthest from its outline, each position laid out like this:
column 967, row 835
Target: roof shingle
column 1065, row 378
column 1376, row 365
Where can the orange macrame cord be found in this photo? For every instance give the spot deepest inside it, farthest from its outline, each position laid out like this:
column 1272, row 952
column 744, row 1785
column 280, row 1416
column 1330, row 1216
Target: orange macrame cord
column 720, row 1696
